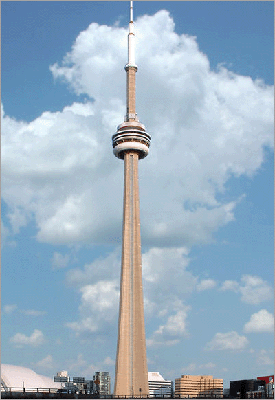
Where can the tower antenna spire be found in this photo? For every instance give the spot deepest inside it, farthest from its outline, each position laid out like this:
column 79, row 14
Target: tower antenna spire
column 131, row 11
column 131, row 38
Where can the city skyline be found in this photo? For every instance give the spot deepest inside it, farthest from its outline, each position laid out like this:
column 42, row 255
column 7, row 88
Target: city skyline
column 206, row 190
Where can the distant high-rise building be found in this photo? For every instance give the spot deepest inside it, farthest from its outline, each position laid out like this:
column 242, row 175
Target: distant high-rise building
column 102, row 383
column 131, row 143
column 198, row 386
column 158, row 386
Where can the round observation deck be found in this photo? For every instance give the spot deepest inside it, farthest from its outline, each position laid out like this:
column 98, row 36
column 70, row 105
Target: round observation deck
column 131, row 136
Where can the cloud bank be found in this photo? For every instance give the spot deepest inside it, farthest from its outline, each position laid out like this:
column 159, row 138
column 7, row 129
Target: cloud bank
column 206, row 127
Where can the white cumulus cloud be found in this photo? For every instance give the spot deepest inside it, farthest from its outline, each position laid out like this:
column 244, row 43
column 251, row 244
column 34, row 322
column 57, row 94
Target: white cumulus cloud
column 206, row 284
column 35, row 339
column 253, row 289
column 227, row 341
column 101, row 296
column 262, row 321
column 86, row 324
column 176, row 324
column 97, row 270
column 173, row 330
column 230, row 285
column 166, row 268
column 99, row 304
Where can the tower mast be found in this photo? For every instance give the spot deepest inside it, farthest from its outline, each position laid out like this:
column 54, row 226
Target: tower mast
column 131, row 143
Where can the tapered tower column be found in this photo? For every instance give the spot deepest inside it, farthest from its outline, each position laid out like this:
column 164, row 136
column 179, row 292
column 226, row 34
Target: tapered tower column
column 131, row 143
column 131, row 363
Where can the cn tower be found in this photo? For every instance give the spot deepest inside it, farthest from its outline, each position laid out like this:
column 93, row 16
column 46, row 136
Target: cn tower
column 131, row 143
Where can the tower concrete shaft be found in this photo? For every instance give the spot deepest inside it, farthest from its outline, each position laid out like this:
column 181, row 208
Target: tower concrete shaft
column 131, row 363
column 131, row 143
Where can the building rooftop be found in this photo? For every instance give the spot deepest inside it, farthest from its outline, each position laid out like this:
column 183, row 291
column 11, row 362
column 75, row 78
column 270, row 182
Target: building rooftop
column 14, row 376
column 155, row 376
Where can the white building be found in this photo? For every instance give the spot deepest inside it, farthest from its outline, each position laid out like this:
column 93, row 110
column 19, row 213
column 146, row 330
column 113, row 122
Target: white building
column 158, row 386
column 17, row 379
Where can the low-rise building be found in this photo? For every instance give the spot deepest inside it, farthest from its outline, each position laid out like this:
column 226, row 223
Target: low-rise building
column 158, row 386
column 61, row 376
column 247, row 388
column 78, row 385
column 192, row 386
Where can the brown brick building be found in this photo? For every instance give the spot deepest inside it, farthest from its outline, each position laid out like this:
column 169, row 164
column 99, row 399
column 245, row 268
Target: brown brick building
column 191, row 386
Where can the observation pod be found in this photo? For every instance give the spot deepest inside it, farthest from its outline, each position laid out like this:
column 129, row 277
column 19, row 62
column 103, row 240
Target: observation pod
column 131, row 136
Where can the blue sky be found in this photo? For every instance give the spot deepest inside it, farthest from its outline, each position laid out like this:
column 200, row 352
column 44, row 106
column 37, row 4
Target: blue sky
column 205, row 94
